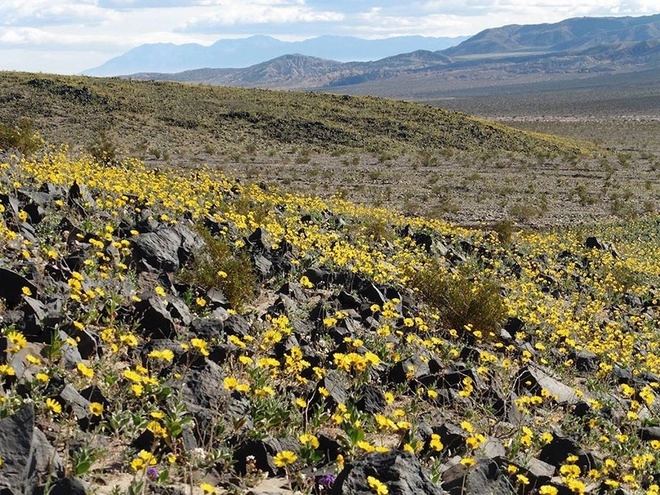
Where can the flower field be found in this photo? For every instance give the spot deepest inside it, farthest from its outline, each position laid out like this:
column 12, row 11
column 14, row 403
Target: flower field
column 182, row 328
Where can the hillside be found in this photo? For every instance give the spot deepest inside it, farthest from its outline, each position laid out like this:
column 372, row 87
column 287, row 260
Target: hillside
column 177, row 119
column 570, row 35
column 178, row 331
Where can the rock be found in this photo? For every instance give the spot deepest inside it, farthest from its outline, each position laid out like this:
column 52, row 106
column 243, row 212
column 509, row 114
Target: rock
column 372, row 400
column 26, row 453
column 75, row 403
column 486, row 476
column 11, row 288
column 534, row 380
column 400, row 471
column 65, row 486
column 207, row 328
column 585, row 361
column 649, row 433
column 262, row 265
column 167, row 248
column 262, row 452
column 336, row 387
column 408, row 369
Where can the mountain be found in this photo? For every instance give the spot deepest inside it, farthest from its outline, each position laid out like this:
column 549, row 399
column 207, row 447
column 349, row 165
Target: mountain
column 574, row 48
column 568, row 35
column 235, row 53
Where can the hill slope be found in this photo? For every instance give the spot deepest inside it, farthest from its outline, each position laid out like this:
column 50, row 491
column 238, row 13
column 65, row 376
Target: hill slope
column 184, row 119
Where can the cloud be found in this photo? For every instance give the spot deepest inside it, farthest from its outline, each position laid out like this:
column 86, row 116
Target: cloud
column 44, row 12
column 264, row 15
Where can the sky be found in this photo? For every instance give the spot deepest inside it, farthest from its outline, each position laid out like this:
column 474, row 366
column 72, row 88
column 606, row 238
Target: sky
column 69, row 36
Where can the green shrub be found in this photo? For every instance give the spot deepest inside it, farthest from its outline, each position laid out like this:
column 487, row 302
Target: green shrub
column 104, row 150
column 461, row 299
column 220, row 265
column 21, row 137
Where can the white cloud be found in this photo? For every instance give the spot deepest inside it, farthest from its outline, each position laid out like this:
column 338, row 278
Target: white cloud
column 107, row 28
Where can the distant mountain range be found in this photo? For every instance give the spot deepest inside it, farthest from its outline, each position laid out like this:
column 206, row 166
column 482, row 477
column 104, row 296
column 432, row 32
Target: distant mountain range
column 579, row 47
column 237, row 53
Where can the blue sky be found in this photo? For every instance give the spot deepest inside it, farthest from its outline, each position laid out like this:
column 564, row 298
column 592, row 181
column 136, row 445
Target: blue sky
column 68, row 36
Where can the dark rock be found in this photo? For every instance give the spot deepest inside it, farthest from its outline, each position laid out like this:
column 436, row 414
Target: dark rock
column 486, row 476
column 156, row 320
column 372, row 400
column 407, row 369
column 319, row 276
column 452, row 436
column 258, row 240
column 64, row 486
column 204, row 385
column 262, row 265
column 371, row 293
column 74, row 403
column 594, row 243
column 400, row 471
column 70, row 354
column 335, row 385
column 25, row 452
column 11, row 288
column 167, row 248
column 293, row 290
column 329, row 447
column 207, row 328
column 558, row 450
column 236, row 325
column 585, row 360
column 649, row 433
column 263, row 452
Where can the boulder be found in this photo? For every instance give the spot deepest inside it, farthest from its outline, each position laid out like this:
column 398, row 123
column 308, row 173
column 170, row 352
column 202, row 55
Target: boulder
column 400, row 471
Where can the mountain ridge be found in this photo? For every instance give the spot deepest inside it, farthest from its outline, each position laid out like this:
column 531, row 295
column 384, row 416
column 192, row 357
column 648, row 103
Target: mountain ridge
column 578, row 47
column 245, row 52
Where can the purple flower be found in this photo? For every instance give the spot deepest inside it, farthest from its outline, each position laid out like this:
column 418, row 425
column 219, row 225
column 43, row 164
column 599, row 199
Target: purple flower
column 152, row 473
column 327, row 480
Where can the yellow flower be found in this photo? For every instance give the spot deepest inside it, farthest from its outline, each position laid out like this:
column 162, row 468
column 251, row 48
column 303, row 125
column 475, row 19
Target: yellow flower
column 165, row 354
column 435, row 442
column 26, row 291
column 468, row 461
column 548, row 490
column 53, row 405
column 85, row 370
column 42, row 377
column 200, row 345
column 160, row 291
column 17, row 339
column 378, row 487
column 309, row 439
column 206, row 488
column 96, row 408
column 285, row 458
column 522, row 479
column 230, row 382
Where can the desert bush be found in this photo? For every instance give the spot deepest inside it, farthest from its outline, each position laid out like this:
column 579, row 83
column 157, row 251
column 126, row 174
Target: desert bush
column 461, row 299
column 104, row 150
column 21, row 137
column 219, row 265
column 504, row 230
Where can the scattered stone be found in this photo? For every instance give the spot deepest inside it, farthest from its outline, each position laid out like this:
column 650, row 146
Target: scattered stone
column 400, row 471
column 486, row 476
